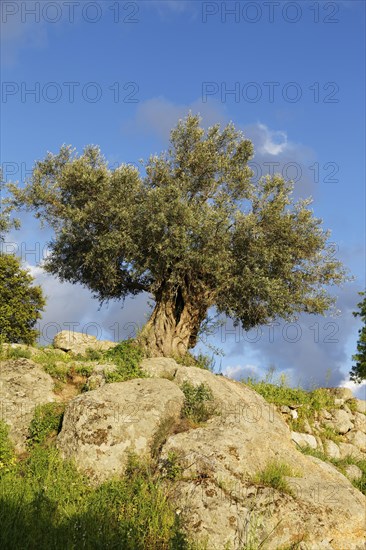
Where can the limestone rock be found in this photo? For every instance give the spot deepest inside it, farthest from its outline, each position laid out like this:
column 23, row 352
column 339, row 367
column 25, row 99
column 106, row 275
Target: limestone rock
column 306, row 427
column 76, row 342
column 359, row 421
column 325, row 414
column 331, row 449
column 304, row 440
column 159, row 367
column 219, row 499
column 348, row 449
column 102, row 426
column 358, row 439
column 341, row 421
column 23, row 386
column 361, row 405
column 353, row 472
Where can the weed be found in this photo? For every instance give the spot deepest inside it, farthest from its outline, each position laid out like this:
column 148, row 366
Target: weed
column 164, row 430
column 84, row 369
column 46, row 422
column 170, row 467
column 309, row 403
column 327, row 432
column 200, row 361
column 198, row 405
column 16, row 353
column 274, row 475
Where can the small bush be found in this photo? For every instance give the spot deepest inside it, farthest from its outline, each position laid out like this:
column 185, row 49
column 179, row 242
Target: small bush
column 274, row 476
column 47, row 422
column 170, row 467
column 127, row 357
column 84, row 370
column 198, row 405
column 90, row 355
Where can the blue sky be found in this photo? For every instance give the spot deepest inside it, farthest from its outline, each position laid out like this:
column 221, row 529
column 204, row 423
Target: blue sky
column 119, row 74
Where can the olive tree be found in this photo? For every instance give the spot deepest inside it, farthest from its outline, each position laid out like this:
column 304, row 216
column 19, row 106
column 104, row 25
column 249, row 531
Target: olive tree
column 190, row 227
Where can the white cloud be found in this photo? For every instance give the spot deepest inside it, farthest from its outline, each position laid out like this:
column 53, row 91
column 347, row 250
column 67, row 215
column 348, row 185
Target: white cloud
column 359, row 390
column 238, row 372
column 71, row 307
column 272, row 142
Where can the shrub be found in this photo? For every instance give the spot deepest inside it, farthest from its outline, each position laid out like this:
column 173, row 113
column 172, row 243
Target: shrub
column 198, row 405
column 170, row 466
column 90, row 355
column 46, row 422
column 127, row 357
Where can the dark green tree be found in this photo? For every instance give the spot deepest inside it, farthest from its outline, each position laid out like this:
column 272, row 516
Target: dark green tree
column 358, row 371
column 193, row 230
column 20, row 302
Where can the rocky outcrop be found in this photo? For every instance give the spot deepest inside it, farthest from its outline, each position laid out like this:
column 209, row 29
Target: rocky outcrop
column 23, row 386
column 219, row 499
column 216, row 493
column 78, row 343
column 213, row 468
column 101, row 427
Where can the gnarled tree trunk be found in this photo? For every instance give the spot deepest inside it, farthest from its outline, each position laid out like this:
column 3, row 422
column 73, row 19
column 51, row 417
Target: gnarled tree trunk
column 174, row 324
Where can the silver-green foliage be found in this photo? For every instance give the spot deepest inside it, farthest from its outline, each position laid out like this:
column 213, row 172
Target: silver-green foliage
column 191, row 219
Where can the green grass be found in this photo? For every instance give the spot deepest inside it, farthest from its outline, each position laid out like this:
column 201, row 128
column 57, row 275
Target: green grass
column 7, row 352
column 200, row 361
column 46, row 503
column 7, row 455
column 126, row 356
column 309, row 403
column 274, row 475
column 55, row 363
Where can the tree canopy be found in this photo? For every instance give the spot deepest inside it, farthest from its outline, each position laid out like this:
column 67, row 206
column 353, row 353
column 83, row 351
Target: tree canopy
column 358, row 371
column 190, row 227
column 21, row 302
